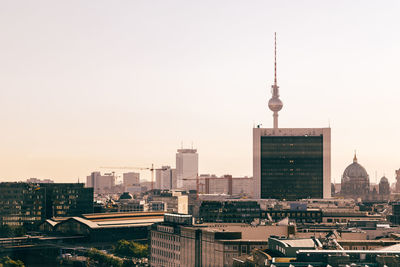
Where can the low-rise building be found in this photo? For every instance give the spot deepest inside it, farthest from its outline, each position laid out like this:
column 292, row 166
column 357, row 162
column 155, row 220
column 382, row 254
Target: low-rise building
column 346, row 215
column 39, row 181
column 179, row 242
column 175, row 201
column 299, row 216
column 226, row 184
column 106, row 227
column 133, row 205
column 229, row 211
column 157, row 206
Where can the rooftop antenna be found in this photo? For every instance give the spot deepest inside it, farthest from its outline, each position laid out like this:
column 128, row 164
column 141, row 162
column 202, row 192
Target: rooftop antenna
column 275, row 81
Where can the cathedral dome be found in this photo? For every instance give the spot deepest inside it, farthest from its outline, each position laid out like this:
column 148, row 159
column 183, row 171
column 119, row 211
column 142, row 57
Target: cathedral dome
column 384, row 180
column 355, row 180
column 125, row 196
column 355, row 171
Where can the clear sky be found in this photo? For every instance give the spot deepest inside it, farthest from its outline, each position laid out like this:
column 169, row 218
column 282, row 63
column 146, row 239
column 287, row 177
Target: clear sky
column 85, row 84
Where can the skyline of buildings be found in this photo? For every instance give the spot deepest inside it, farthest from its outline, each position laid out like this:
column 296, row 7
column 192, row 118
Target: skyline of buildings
column 123, row 84
column 288, row 163
column 329, row 67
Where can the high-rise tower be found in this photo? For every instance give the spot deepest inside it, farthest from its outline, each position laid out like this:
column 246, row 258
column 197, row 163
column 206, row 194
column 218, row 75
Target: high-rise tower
column 187, row 168
column 290, row 163
column 275, row 104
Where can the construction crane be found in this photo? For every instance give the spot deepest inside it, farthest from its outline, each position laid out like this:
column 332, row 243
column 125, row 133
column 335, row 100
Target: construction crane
column 152, row 169
column 197, row 184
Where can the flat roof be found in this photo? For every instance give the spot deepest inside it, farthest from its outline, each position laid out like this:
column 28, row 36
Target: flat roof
column 304, row 242
column 129, row 222
column 121, row 214
column 395, row 247
column 348, row 251
column 115, row 223
column 132, row 218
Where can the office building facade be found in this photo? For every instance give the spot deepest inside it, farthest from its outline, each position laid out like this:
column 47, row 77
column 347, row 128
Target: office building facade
column 26, row 204
column 165, row 178
column 132, row 182
column 101, row 183
column 292, row 163
column 178, row 242
column 233, row 211
column 187, row 168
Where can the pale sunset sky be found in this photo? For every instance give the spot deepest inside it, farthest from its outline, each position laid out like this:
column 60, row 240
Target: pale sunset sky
column 85, row 84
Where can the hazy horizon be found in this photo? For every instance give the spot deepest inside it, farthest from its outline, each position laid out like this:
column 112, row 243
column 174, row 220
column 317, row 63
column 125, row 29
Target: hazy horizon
column 85, row 84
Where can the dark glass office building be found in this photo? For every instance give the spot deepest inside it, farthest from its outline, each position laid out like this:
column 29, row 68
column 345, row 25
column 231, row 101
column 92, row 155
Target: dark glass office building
column 291, row 167
column 229, row 211
column 27, row 204
column 292, row 164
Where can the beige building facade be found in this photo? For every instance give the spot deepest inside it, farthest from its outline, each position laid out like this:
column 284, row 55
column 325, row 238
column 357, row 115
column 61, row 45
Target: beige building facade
column 209, row 245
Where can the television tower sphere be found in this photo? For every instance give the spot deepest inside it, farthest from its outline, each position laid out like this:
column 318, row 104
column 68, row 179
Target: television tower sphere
column 275, row 104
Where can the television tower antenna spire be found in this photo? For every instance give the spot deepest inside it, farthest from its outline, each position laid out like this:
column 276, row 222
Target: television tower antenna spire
column 275, row 81
column 275, row 104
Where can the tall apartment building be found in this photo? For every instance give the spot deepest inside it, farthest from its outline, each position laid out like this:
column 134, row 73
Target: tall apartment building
column 101, row 183
column 28, row 203
column 131, row 182
column 187, row 168
column 165, row 178
column 290, row 163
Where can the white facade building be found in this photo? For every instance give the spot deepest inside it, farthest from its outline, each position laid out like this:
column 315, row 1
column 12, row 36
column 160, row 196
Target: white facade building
column 101, row 183
column 187, row 168
column 211, row 184
column 39, row 181
column 174, row 202
column 132, row 182
column 165, row 178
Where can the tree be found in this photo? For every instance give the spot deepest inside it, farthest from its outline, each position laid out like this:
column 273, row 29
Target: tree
column 126, row 248
column 7, row 262
column 99, row 258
